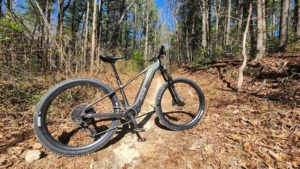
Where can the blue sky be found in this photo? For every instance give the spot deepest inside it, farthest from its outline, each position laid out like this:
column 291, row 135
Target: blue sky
column 160, row 3
column 166, row 15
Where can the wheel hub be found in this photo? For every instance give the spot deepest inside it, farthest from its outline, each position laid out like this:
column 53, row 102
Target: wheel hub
column 78, row 119
column 76, row 114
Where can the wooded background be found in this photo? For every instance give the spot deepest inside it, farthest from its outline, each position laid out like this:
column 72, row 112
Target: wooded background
column 68, row 35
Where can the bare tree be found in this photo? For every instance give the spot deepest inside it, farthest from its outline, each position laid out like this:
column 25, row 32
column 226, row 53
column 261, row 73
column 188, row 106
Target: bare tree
column 134, row 27
column 48, row 27
column 93, row 35
column 228, row 23
column 297, row 18
column 59, row 29
column 86, row 27
column 187, row 41
column 0, row 8
column 240, row 13
column 261, row 30
column 204, row 17
column 217, row 6
column 284, row 22
column 146, row 29
column 241, row 69
column 273, row 23
column 9, row 5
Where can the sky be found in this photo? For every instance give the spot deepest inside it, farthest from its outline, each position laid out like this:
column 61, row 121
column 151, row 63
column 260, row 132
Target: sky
column 160, row 3
column 166, row 15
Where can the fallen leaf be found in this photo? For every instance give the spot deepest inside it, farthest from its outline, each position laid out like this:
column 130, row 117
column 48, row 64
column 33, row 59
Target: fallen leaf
column 255, row 122
column 37, row 146
column 295, row 164
column 236, row 111
column 216, row 115
column 277, row 156
column 209, row 149
column 227, row 123
column 194, row 147
column 247, row 147
column 242, row 163
column 236, row 137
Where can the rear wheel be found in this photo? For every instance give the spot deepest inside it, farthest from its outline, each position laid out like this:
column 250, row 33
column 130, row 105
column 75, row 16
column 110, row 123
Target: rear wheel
column 182, row 114
column 58, row 123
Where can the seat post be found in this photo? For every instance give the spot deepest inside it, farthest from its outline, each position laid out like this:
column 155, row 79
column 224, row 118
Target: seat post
column 126, row 104
column 116, row 74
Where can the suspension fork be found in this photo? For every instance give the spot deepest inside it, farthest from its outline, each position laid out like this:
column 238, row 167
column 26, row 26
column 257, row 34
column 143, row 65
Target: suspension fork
column 168, row 78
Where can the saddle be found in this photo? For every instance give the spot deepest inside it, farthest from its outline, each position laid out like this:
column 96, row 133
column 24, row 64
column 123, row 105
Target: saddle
column 110, row 59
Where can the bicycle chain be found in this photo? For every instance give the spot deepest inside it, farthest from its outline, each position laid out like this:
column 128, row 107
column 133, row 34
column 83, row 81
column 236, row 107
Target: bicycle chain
column 122, row 124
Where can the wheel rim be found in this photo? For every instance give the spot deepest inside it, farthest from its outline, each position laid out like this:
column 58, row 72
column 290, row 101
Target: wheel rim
column 59, row 125
column 176, row 114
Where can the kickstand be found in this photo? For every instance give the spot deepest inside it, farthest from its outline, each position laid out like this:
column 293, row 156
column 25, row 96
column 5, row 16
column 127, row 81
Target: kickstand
column 140, row 139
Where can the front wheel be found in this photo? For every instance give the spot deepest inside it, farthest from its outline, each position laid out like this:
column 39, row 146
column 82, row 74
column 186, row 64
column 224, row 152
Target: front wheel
column 185, row 112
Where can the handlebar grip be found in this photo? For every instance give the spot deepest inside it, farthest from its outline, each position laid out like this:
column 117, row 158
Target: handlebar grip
column 162, row 50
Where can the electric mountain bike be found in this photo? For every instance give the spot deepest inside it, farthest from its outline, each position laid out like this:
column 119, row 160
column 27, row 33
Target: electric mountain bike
column 79, row 116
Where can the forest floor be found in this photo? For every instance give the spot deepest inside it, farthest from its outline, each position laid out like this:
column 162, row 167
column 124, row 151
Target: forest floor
column 259, row 127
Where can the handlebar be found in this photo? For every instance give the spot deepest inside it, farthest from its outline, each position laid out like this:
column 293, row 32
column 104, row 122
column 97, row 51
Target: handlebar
column 162, row 51
column 161, row 54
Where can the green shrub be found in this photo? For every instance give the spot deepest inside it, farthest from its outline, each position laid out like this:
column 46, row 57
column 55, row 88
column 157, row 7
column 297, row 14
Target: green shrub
column 136, row 63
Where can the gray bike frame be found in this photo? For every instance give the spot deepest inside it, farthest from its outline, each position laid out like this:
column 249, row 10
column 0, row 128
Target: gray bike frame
column 141, row 95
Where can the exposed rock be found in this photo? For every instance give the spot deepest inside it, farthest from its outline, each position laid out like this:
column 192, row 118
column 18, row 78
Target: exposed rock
column 33, row 155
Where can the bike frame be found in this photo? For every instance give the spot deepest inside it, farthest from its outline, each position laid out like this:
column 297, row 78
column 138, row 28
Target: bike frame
column 141, row 95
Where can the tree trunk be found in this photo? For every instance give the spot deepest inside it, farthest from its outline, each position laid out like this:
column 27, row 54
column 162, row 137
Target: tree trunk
column 0, row 9
column 261, row 30
column 93, row 36
column 86, row 32
column 297, row 18
column 240, row 17
column 283, row 39
column 241, row 69
column 9, row 5
column 273, row 19
column 217, row 16
column 228, row 23
column 73, row 32
column 146, row 31
column 204, row 17
column 134, row 28
column 107, row 21
column 187, row 42
column 99, row 24
column 59, row 28
column 99, row 33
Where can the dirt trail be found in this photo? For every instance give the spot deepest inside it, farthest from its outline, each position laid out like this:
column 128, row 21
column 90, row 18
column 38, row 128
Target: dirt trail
column 130, row 151
column 236, row 131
